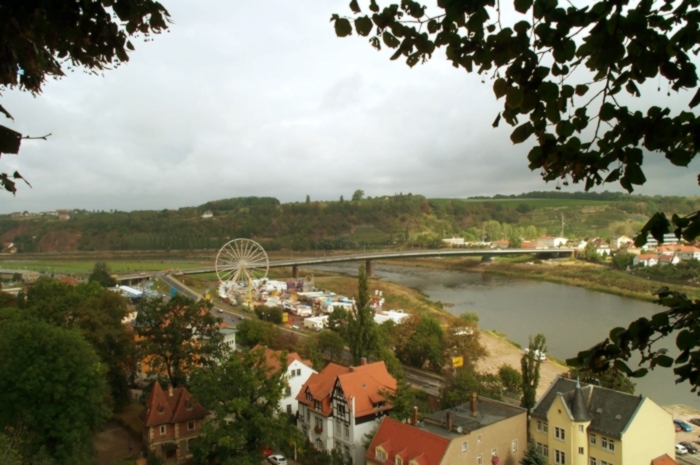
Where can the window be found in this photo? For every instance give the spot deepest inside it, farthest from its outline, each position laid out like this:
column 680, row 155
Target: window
column 398, row 460
column 539, row 425
column 289, row 409
column 559, row 433
column 380, row 454
column 317, row 405
column 545, row 450
column 580, row 428
column 319, row 423
column 611, row 445
column 478, row 460
column 545, row 427
column 319, row 444
column 593, row 461
column 188, row 405
column 187, row 446
column 163, row 429
column 580, row 451
column 341, row 409
column 478, row 439
column 308, row 395
column 493, row 452
column 347, row 451
column 514, row 445
column 539, row 447
column 347, row 432
column 308, row 415
column 190, row 425
column 604, row 442
column 559, row 457
column 299, row 372
column 337, row 427
column 287, row 392
column 593, row 439
column 464, row 446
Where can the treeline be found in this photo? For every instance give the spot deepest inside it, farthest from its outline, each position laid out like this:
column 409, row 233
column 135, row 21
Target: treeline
column 401, row 219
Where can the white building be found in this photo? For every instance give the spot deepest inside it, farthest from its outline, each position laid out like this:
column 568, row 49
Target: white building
column 646, row 259
column 340, row 405
column 316, row 323
column 553, row 242
column 298, row 372
column 454, row 241
column 688, row 252
column 618, row 241
column 668, row 259
column 669, row 239
column 207, row 214
column 397, row 316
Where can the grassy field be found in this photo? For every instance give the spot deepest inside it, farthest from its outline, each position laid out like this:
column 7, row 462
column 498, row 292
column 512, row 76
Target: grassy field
column 85, row 266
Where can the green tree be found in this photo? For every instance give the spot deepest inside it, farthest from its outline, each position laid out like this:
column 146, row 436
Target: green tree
column 515, row 242
column 612, row 378
column 254, row 332
column 470, row 317
column 402, row 400
column 307, row 348
column 533, row 456
column 7, row 300
column 331, row 346
column 358, row 195
column 178, row 335
column 457, row 389
column 420, row 342
column 620, row 261
column 101, row 274
column 590, row 253
column 98, row 314
column 511, row 378
column 361, row 329
column 271, row 314
column 243, row 393
column 530, row 364
column 93, row 35
column 338, row 319
column 53, row 387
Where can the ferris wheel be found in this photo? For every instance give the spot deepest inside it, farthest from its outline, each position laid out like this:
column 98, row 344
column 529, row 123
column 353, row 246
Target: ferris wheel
column 241, row 261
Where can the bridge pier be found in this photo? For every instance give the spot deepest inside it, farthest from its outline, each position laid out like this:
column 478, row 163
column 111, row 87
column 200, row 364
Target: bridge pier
column 295, row 271
column 369, row 268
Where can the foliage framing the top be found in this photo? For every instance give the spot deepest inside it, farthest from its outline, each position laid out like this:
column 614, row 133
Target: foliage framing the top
column 40, row 37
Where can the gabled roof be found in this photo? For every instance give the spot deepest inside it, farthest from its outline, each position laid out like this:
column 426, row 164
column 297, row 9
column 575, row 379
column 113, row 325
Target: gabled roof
column 173, row 406
column 610, row 411
column 365, row 383
column 272, row 358
column 664, row 460
column 646, row 256
column 409, row 442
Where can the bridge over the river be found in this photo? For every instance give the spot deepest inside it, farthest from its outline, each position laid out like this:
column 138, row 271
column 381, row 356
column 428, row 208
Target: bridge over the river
column 370, row 258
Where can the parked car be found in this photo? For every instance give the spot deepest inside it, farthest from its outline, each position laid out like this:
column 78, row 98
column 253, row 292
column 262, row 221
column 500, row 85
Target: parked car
column 683, row 425
column 678, row 428
column 695, row 421
column 680, row 450
column 689, row 447
column 277, row 459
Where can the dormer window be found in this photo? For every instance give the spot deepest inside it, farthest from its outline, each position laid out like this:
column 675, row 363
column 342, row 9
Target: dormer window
column 398, row 461
column 380, row 454
column 161, row 409
column 379, row 404
column 341, row 409
column 308, row 395
column 317, row 405
column 188, row 405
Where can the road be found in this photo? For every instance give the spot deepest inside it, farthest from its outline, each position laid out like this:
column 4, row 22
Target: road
column 425, row 381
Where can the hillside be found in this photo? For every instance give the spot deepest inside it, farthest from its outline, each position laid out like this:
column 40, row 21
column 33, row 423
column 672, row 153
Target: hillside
column 399, row 220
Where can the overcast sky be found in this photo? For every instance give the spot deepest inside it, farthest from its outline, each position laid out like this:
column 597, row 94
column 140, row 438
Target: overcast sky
column 260, row 98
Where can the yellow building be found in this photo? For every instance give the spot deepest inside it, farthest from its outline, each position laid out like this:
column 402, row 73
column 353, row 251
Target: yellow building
column 580, row 424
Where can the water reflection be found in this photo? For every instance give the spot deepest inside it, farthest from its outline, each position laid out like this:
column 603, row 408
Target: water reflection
column 571, row 318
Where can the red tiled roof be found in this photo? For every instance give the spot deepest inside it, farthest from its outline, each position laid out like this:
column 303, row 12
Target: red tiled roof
column 409, row 442
column 646, row 256
column 320, row 385
column 69, row 280
column 664, row 460
column 272, row 358
column 166, row 407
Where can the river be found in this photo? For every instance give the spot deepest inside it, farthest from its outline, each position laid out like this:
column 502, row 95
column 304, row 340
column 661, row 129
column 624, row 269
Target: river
column 570, row 317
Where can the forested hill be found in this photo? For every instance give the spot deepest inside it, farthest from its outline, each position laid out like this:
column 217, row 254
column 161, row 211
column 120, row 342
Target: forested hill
column 398, row 220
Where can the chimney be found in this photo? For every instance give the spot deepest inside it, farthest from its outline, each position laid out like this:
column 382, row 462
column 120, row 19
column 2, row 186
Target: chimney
column 449, row 420
column 473, row 407
column 170, row 390
column 414, row 416
column 363, row 361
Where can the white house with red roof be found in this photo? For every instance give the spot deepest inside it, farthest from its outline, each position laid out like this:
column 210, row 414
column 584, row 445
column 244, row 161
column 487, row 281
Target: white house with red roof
column 298, row 372
column 645, row 259
column 170, row 421
column 340, row 405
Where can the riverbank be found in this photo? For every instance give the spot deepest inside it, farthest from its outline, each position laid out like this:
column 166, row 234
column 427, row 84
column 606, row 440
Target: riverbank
column 577, row 273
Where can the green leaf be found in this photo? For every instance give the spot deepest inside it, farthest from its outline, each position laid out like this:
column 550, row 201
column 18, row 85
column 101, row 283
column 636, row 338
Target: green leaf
column 521, row 6
column 565, row 129
column 635, row 175
column 642, row 372
column 607, row 111
column 548, row 91
column 500, row 87
column 685, row 340
column 342, row 27
column 363, row 26
column 390, row 40
column 615, row 333
column 514, row 97
column 581, row 89
column 373, row 6
column 696, row 100
column 522, row 132
column 129, row 45
column 354, row 6
column 496, row 121
column 664, row 361
column 9, row 140
column 622, row 366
